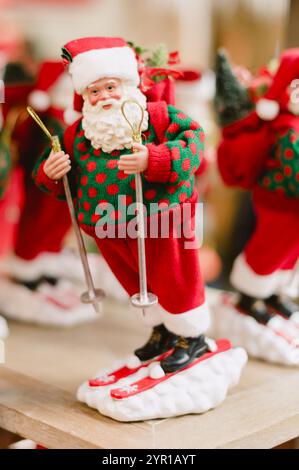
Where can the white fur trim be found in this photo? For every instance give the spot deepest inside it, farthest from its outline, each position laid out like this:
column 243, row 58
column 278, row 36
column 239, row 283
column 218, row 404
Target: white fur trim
column 70, row 116
column 151, row 316
column 3, row 330
column 39, row 100
column 291, row 285
column 267, row 109
column 117, row 62
column 260, row 341
column 245, row 280
column 295, row 318
column 192, row 323
column 195, row 390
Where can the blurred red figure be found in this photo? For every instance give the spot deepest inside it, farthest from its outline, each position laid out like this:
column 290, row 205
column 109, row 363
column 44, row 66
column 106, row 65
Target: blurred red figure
column 259, row 150
column 38, row 231
column 42, row 274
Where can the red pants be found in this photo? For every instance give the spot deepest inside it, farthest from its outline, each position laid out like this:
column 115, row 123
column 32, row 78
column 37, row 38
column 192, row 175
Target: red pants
column 265, row 267
column 173, row 272
column 274, row 244
column 43, row 224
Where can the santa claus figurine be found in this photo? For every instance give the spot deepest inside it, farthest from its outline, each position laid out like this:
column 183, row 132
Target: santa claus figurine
column 101, row 166
column 259, row 150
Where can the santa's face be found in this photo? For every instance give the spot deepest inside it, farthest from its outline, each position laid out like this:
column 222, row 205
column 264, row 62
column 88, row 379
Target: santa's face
column 103, row 122
column 103, row 90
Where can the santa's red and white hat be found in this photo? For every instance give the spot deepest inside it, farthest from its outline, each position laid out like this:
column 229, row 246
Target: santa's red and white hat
column 90, row 59
column 277, row 96
column 48, row 74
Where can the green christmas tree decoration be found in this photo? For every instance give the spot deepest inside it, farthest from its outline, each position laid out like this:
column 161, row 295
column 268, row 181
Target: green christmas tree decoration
column 232, row 101
column 159, row 57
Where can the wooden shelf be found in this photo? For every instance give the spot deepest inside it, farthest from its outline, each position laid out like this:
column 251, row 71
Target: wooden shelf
column 45, row 366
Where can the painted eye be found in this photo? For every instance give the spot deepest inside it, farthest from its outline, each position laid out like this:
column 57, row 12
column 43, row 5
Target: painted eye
column 110, row 87
column 94, row 92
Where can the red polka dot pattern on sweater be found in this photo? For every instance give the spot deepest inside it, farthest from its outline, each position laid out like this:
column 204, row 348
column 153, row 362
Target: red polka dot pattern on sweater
column 186, row 164
column 150, row 194
column 112, row 189
column 82, row 147
column 91, row 166
column 173, row 177
column 106, row 184
column 101, row 178
column 92, row 192
column 111, row 164
column 84, row 180
column 121, row 175
column 173, row 128
column 175, row 153
column 193, row 148
column 289, row 154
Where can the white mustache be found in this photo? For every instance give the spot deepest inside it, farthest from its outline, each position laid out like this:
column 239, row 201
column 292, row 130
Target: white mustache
column 115, row 104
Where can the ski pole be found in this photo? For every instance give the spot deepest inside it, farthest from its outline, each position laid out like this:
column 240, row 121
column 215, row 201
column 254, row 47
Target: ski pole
column 142, row 299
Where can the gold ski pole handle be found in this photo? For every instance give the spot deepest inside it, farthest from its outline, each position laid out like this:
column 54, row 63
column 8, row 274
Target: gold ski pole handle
column 55, row 143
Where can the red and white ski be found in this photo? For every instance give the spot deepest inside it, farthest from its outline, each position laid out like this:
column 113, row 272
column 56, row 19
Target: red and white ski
column 149, row 382
column 123, row 372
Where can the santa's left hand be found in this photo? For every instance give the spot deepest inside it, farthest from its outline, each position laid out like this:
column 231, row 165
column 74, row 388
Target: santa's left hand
column 136, row 162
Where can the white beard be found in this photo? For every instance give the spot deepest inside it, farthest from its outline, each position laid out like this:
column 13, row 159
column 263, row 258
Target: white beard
column 108, row 129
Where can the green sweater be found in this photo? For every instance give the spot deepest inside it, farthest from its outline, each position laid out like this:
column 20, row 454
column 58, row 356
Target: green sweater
column 282, row 172
column 175, row 144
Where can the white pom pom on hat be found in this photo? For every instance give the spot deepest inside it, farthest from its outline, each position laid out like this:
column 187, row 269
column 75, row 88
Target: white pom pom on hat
column 267, row 109
column 39, row 100
column 49, row 73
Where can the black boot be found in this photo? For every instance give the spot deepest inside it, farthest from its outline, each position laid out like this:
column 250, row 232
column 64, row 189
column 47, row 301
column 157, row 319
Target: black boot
column 185, row 351
column 254, row 307
column 280, row 306
column 160, row 341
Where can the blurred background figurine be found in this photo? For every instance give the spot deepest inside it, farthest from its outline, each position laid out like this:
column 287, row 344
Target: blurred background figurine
column 39, row 281
column 5, row 168
column 259, row 151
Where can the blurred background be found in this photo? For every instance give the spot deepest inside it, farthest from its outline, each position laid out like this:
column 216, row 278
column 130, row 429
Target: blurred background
column 253, row 32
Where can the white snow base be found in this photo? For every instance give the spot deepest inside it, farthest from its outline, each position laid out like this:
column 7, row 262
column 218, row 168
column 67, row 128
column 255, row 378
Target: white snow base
column 17, row 302
column 195, row 390
column 91, row 395
column 260, row 341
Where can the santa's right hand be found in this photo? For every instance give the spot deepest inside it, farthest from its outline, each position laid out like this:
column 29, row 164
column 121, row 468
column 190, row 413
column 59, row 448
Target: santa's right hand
column 57, row 165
